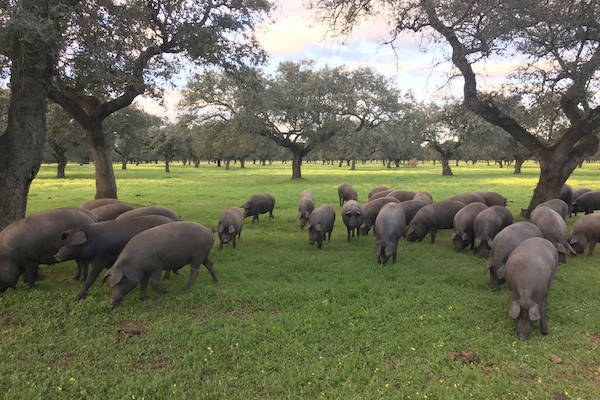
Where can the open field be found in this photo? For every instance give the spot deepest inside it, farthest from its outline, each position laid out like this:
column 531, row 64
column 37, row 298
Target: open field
column 287, row 320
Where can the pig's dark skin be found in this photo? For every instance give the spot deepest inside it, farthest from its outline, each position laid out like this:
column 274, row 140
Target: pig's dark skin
column 529, row 273
column 402, row 195
column 31, row 241
column 492, row 198
column 504, row 243
column 566, row 194
column 305, row 207
column 170, row 247
column 585, row 230
column 389, row 227
column 377, row 189
column 346, row 192
column 231, row 223
column 261, row 203
column 577, row 194
column 102, row 242
column 486, row 226
column 381, row 194
column 557, row 205
column 467, row 198
column 554, row 229
column 352, row 215
column 410, row 208
column 111, row 211
column 321, row 223
column 431, row 218
column 372, row 208
column 91, row 204
column 463, row 225
column 587, row 203
column 424, row 196
column 151, row 210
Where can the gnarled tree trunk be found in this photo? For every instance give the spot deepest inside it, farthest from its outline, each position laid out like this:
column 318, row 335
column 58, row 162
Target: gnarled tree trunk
column 297, row 166
column 106, row 186
column 518, row 165
column 446, row 170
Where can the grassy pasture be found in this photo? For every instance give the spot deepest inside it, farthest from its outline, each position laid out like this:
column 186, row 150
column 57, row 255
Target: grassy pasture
column 289, row 321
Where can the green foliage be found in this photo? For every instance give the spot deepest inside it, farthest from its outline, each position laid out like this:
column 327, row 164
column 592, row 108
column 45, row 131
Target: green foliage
column 287, row 320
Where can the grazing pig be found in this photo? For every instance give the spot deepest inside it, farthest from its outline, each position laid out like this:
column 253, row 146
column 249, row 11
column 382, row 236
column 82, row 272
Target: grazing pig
column 389, row 227
column 231, row 223
column 377, row 189
column 431, row 218
column 320, row 223
column 346, row 192
column 467, row 198
column 31, row 241
column 557, row 205
column 305, row 207
column 585, row 230
column 402, row 195
column 486, row 226
column 576, row 194
column 381, row 194
column 372, row 208
column 352, row 215
column 424, row 196
column 165, row 247
column 463, row 225
column 504, row 243
column 554, row 229
column 410, row 208
column 566, row 194
column 101, row 243
column 91, row 204
column 259, row 204
column 150, row 210
column 529, row 273
column 587, row 202
column 111, row 211
column 492, row 198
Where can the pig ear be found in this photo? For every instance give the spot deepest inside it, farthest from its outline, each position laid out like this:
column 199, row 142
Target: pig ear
column 487, row 268
column 490, row 242
column 306, row 214
column 561, row 248
column 363, row 226
column 464, row 236
column 477, row 242
column 534, row 312
column 231, row 229
column 389, row 249
column 410, row 230
column 514, row 310
column 571, row 249
column 454, row 235
column 221, row 228
column 501, row 272
column 78, row 238
column 377, row 249
column 318, row 228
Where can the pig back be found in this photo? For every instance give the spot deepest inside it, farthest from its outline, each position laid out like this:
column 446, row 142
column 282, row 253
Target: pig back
column 150, row 210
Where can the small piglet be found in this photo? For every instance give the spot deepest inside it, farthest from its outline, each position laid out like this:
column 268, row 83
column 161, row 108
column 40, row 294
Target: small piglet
column 492, row 198
column 151, row 210
column 91, row 204
column 346, row 192
column 377, row 189
column 111, row 211
column 231, row 223
column 423, row 196
column 305, row 207
column 554, row 229
column 320, row 223
column 529, row 273
column 259, row 204
column 372, row 208
column 463, row 225
column 431, row 218
column 410, row 208
column 165, row 247
column 352, row 215
column 504, row 243
column 389, row 227
column 486, row 226
column 101, row 243
column 585, row 230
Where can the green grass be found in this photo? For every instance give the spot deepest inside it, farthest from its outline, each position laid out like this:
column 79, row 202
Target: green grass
column 289, row 321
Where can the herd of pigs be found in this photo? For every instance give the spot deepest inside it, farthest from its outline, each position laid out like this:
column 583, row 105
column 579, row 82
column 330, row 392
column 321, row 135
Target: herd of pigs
column 137, row 245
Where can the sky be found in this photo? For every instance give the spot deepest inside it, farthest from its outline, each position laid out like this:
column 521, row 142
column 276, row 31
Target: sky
column 294, row 33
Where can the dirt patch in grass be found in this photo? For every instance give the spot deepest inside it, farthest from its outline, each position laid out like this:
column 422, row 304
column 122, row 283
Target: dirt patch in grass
column 62, row 359
column 12, row 320
column 593, row 337
column 129, row 328
column 559, row 396
column 593, row 371
column 160, row 365
column 466, row 357
column 489, row 369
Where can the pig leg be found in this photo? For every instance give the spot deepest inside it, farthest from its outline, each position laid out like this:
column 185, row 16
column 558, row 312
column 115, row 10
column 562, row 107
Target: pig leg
column 154, row 281
column 167, row 274
column 209, row 266
column 31, row 274
column 144, row 287
column 98, row 266
column 349, row 233
column 255, row 218
column 543, row 319
column 82, row 266
column 592, row 245
column 220, row 244
column 234, row 241
column 329, row 236
column 433, row 233
column 271, row 216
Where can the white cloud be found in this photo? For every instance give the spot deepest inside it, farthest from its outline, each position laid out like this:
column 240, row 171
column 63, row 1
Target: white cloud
column 166, row 107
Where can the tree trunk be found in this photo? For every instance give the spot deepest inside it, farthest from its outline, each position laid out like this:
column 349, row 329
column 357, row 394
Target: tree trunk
column 518, row 165
column 218, row 162
column 227, row 162
column 124, row 162
column 434, row 162
column 167, row 162
column 457, row 163
column 389, row 164
column 106, row 186
column 242, row 164
column 60, row 169
column 197, row 163
column 446, row 170
column 500, row 163
column 397, row 163
column 341, row 163
column 296, row 166
column 353, row 167
column 270, row 162
column 488, row 162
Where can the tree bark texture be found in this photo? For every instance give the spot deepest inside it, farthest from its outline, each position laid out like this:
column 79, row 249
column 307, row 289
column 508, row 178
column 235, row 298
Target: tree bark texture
column 446, row 170
column 297, row 166
column 518, row 165
column 106, row 186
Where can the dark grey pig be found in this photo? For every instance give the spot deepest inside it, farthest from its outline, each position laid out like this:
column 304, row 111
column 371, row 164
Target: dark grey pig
column 377, row 189
column 150, row 210
column 101, row 243
column 305, row 207
column 492, row 198
column 554, row 229
column 372, row 208
column 402, row 195
column 346, row 192
column 576, row 194
column 566, row 194
column 557, row 205
column 165, row 247
column 463, row 225
column 486, row 226
column 231, row 223
column 389, row 227
column 381, row 194
column 259, row 204
column 111, row 211
column 352, row 215
column 504, row 243
column 31, row 241
column 320, row 223
column 587, row 203
column 529, row 273
column 585, row 230
column 410, row 208
column 424, row 196
column 431, row 218
column 467, row 198
column 91, row 204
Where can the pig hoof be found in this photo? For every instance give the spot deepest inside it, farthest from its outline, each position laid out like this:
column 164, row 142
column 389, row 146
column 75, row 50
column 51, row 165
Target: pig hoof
column 81, row 296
